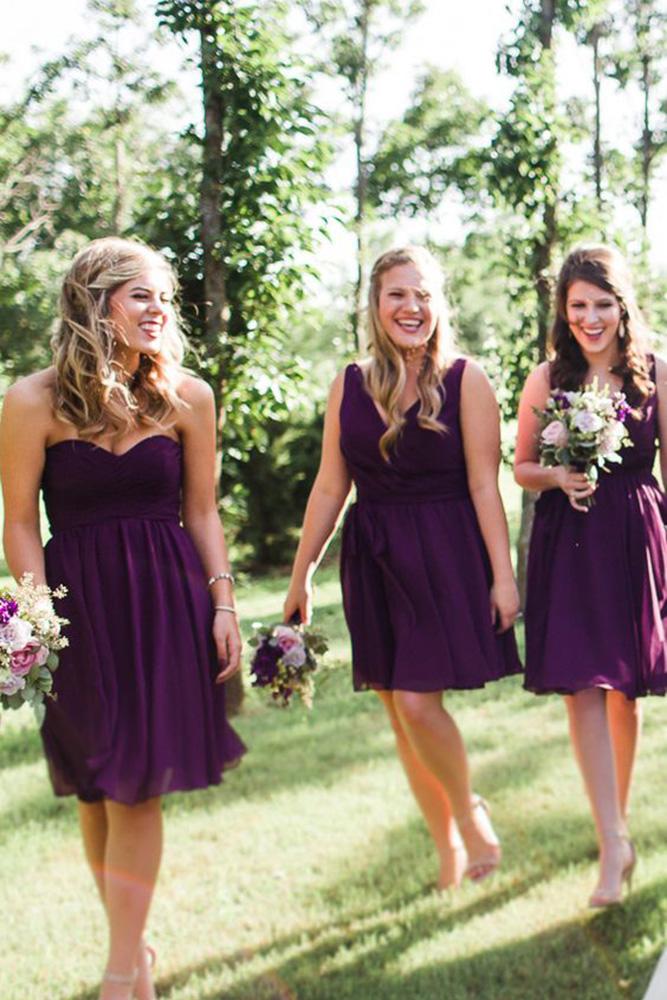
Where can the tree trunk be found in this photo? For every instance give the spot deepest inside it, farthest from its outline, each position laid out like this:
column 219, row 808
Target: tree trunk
column 542, row 254
column 360, row 187
column 647, row 142
column 215, row 291
column 597, row 145
column 118, row 211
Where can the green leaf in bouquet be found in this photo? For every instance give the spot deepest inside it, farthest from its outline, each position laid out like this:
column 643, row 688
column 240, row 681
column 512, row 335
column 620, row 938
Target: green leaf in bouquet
column 14, row 700
column 52, row 661
column 40, row 712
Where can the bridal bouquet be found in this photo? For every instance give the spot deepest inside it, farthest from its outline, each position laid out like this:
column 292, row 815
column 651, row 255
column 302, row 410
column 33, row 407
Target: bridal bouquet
column 30, row 636
column 285, row 660
column 584, row 429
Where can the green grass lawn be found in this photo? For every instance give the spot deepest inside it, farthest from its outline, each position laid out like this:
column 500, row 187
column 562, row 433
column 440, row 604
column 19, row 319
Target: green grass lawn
column 308, row 874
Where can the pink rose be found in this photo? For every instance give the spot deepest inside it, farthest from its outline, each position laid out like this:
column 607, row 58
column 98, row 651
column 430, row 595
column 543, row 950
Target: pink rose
column 286, row 637
column 12, row 685
column 23, row 660
column 294, row 657
column 555, row 434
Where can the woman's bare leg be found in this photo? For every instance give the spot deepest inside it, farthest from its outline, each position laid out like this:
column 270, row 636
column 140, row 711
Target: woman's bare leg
column 625, row 723
column 437, row 743
column 591, row 737
column 433, row 803
column 131, row 864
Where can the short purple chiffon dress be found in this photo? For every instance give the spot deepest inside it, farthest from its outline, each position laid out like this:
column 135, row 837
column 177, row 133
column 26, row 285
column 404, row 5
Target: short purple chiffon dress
column 136, row 712
column 414, row 569
column 596, row 606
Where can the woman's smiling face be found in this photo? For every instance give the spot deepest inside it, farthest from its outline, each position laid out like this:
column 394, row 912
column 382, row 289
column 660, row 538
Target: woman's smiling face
column 593, row 316
column 408, row 306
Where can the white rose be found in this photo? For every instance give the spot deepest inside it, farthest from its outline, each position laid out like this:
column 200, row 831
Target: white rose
column 16, row 633
column 587, row 422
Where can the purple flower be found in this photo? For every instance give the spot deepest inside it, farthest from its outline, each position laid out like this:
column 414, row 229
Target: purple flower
column 562, row 399
column 264, row 666
column 622, row 410
column 8, row 608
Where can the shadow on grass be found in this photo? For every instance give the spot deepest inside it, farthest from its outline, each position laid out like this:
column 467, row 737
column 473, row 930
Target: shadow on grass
column 606, row 957
column 293, row 747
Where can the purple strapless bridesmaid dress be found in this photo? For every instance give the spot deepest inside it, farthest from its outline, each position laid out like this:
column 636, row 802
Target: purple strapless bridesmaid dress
column 596, row 605
column 414, row 569
column 137, row 712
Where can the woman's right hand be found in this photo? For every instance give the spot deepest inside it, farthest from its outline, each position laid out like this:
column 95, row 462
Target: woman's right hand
column 299, row 601
column 576, row 486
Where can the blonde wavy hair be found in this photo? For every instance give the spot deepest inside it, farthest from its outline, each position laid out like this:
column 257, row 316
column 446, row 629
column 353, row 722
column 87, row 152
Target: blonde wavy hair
column 385, row 374
column 93, row 392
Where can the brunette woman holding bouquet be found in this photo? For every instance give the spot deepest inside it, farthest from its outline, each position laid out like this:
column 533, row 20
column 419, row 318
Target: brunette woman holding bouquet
column 428, row 588
column 121, row 440
column 596, row 605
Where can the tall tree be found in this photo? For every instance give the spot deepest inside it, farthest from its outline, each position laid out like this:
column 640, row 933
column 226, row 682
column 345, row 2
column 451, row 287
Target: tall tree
column 360, row 35
column 643, row 62
column 130, row 90
column 434, row 148
column 524, row 178
column 260, row 158
column 235, row 203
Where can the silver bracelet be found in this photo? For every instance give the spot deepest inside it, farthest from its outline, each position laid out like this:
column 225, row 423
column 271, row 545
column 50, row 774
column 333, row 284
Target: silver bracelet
column 220, row 576
column 225, row 607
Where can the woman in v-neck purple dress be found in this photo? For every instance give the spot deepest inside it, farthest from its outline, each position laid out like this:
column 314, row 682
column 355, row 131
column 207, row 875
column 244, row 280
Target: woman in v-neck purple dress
column 596, row 604
column 122, row 442
column 428, row 589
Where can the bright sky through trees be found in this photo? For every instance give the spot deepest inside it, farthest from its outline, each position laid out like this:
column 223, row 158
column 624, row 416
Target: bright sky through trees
column 462, row 36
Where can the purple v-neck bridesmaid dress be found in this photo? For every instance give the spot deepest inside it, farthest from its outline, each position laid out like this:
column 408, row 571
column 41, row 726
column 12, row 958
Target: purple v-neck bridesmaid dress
column 414, row 568
column 596, row 604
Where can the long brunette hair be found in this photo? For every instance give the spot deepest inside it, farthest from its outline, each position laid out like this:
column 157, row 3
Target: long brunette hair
column 604, row 267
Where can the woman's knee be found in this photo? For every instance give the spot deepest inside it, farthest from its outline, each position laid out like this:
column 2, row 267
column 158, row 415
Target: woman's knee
column 416, row 709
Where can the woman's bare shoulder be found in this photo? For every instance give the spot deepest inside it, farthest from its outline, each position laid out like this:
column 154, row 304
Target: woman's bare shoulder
column 193, row 390
column 34, row 393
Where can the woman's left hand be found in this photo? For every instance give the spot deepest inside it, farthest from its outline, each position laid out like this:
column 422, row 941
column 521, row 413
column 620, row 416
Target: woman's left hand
column 227, row 643
column 505, row 605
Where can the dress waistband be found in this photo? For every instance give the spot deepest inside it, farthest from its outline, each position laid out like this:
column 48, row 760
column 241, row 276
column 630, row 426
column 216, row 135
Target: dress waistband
column 393, row 500
column 97, row 522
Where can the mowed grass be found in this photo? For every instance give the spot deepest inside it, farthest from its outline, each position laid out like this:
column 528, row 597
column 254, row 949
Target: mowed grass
column 309, row 875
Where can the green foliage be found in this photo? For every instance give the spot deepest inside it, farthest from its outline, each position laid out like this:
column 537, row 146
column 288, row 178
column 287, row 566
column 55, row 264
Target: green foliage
column 360, row 33
column 271, row 161
column 433, row 148
column 267, row 487
column 65, row 172
column 638, row 58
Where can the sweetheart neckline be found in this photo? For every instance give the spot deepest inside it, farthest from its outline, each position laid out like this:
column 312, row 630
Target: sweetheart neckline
column 113, row 454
